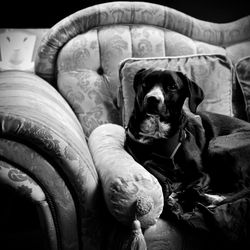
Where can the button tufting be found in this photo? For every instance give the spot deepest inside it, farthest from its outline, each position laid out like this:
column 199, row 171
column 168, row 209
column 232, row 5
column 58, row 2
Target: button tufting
column 100, row 71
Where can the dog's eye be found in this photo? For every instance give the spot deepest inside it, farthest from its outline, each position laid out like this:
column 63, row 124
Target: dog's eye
column 172, row 86
column 144, row 85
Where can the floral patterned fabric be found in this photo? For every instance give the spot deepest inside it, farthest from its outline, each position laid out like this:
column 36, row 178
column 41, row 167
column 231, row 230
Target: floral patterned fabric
column 81, row 54
column 141, row 13
column 21, row 182
column 213, row 73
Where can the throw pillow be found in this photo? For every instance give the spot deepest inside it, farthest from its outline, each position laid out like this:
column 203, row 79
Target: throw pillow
column 213, row 73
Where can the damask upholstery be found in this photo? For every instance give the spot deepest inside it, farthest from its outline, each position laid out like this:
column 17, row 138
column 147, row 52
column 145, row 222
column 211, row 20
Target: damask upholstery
column 87, row 47
column 46, row 119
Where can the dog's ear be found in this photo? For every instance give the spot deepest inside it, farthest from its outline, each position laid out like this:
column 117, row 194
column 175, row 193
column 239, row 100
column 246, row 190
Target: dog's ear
column 138, row 78
column 195, row 93
column 196, row 96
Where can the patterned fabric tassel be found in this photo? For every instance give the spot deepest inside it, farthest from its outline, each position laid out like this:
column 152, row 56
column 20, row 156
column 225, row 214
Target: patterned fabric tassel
column 137, row 241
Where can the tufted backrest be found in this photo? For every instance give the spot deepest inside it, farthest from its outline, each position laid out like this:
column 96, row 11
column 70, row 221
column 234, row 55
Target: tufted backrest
column 81, row 54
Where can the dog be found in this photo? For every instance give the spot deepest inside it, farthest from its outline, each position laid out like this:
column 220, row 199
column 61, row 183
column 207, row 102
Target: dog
column 201, row 159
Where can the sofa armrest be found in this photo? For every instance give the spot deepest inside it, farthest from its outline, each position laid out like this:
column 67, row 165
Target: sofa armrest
column 34, row 114
column 29, row 175
column 28, row 189
column 129, row 190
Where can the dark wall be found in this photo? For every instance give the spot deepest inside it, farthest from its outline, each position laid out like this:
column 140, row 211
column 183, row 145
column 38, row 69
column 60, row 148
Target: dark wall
column 45, row 13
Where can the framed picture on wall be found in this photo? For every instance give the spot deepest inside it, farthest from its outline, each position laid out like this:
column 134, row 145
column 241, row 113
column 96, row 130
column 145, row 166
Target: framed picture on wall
column 16, row 48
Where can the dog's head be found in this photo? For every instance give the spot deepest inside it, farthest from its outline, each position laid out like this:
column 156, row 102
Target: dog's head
column 161, row 93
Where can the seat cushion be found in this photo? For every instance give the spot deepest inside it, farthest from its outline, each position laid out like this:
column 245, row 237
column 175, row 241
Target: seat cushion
column 213, row 73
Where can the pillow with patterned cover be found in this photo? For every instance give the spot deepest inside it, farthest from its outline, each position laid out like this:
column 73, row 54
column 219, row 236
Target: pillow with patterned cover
column 243, row 75
column 212, row 72
column 130, row 191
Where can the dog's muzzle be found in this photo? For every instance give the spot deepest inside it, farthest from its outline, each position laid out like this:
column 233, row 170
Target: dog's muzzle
column 154, row 101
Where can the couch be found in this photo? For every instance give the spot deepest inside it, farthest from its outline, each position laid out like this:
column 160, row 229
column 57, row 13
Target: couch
column 48, row 117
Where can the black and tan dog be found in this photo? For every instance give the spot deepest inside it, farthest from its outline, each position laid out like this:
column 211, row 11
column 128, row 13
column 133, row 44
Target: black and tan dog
column 201, row 158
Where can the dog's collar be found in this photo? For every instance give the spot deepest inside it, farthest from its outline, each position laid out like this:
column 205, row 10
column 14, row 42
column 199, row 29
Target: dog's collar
column 169, row 146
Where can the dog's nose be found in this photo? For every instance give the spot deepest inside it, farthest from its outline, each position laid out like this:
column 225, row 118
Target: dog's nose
column 152, row 104
column 153, row 101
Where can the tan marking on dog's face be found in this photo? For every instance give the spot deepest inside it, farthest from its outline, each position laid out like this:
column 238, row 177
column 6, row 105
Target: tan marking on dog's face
column 154, row 99
column 156, row 92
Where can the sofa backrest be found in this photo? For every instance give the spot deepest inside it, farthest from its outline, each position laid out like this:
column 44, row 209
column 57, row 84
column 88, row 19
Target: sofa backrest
column 81, row 54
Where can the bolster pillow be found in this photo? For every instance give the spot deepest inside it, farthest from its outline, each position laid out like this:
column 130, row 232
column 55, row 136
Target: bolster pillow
column 130, row 191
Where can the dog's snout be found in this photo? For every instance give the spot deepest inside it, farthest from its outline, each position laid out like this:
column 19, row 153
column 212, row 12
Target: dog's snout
column 153, row 100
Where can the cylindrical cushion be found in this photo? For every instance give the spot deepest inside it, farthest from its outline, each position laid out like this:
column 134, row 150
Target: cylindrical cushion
column 129, row 190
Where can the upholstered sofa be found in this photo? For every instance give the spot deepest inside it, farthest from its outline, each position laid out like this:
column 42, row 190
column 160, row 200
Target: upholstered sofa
column 53, row 121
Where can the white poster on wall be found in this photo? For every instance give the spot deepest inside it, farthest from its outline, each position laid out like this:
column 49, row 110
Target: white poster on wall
column 16, row 48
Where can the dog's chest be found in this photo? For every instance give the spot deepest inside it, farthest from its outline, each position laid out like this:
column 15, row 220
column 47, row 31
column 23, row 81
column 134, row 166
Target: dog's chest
column 151, row 128
column 162, row 151
column 178, row 157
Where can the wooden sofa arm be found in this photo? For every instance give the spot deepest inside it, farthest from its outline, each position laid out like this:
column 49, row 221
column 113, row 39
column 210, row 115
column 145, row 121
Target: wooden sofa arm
column 35, row 115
